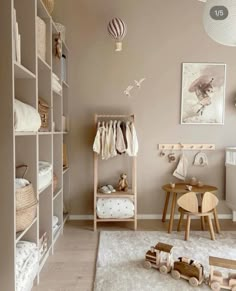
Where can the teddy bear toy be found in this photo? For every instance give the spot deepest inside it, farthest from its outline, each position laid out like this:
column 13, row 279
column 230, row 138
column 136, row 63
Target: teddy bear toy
column 123, row 183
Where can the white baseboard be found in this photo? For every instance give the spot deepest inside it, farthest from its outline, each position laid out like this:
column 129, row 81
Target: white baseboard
column 144, row 216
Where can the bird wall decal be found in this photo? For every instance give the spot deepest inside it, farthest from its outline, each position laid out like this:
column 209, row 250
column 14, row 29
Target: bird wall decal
column 127, row 90
column 138, row 83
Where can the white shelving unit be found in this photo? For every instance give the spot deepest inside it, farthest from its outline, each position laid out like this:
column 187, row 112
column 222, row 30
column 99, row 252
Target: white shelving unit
column 27, row 81
column 131, row 193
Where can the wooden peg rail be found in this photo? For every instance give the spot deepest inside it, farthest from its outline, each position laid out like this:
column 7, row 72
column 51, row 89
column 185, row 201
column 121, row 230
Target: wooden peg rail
column 184, row 146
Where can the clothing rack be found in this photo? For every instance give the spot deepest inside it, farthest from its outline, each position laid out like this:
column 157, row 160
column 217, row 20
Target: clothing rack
column 132, row 193
column 191, row 147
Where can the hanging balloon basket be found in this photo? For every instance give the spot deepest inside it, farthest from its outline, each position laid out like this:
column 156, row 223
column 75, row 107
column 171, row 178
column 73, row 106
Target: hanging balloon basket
column 118, row 46
column 117, row 30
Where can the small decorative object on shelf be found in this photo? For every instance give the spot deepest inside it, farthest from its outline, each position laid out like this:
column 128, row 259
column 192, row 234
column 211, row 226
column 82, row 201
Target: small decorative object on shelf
column 43, row 108
column 123, row 183
column 172, row 185
column 58, row 46
column 49, row 4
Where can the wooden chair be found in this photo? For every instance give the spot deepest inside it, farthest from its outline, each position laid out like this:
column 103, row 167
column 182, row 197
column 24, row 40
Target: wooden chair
column 188, row 205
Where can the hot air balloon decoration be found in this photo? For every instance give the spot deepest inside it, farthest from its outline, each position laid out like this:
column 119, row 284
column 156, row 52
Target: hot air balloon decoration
column 117, row 29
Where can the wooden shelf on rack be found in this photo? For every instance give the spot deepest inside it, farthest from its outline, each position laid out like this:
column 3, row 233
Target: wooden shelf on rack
column 117, row 194
column 22, row 72
column 20, row 234
column 115, row 219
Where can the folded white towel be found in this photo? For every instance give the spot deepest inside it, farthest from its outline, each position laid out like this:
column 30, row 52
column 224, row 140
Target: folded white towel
column 20, row 183
column 182, row 168
column 44, row 168
column 26, row 117
column 54, row 76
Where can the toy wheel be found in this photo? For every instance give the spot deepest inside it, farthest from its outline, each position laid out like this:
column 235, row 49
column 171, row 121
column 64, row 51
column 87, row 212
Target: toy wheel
column 215, row 286
column 147, row 265
column 193, row 282
column 163, row 270
column 234, row 288
column 175, row 274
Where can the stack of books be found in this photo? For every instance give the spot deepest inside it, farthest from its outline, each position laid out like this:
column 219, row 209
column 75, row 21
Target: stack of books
column 16, row 40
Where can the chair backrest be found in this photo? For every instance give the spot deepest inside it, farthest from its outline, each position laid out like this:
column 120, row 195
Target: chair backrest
column 209, row 202
column 189, row 202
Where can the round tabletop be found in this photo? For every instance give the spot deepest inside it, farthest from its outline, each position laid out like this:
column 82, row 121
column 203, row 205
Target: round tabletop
column 181, row 188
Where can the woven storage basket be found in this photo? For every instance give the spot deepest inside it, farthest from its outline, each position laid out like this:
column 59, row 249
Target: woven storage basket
column 49, row 4
column 26, row 205
column 44, row 114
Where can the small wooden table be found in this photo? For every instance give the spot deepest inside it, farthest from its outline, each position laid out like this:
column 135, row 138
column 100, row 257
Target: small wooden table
column 180, row 188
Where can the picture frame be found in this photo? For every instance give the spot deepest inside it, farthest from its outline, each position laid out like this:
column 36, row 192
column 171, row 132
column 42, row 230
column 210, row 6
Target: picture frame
column 203, row 93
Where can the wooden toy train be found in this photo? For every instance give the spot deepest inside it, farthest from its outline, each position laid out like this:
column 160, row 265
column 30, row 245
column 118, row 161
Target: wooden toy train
column 160, row 258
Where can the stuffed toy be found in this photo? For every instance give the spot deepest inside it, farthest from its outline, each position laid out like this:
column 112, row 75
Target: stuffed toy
column 58, row 46
column 123, row 184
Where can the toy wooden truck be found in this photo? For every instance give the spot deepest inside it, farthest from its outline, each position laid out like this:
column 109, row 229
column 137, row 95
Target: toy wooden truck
column 159, row 257
column 189, row 270
column 216, row 279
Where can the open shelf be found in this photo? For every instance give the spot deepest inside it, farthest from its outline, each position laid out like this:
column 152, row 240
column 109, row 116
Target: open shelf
column 56, row 234
column 57, row 94
column 25, row 133
column 43, row 259
column 57, row 193
column 65, row 217
column 44, row 132
column 44, row 188
column 42, row 65
column 65, row 84
column 20, row 234
column 42, row 10
column 22, row 72
column 117, row 194
column 65, row 170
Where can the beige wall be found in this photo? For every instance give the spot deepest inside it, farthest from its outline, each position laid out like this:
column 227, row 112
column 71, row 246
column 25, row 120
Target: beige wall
column 161, row 35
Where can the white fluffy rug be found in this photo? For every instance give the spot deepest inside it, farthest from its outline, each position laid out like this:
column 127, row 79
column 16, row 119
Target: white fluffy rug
column 121, row 256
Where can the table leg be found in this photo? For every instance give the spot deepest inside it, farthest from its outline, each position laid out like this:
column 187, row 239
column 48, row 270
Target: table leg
column 172, row 213
column 217, row 224
column 187, row 227
column 165, row 206
column 211, row 227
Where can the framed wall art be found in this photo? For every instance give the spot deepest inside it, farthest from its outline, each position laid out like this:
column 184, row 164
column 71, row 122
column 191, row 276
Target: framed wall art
column 203, row 93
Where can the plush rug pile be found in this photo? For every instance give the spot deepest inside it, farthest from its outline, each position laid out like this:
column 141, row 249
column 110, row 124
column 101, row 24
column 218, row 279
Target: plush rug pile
column 121, row 256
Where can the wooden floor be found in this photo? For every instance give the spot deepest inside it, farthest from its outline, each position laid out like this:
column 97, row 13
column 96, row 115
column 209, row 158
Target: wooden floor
column 72, row 267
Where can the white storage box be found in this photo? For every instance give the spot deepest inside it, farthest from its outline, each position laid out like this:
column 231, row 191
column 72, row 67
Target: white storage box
column 115, row 208
column 41, row 38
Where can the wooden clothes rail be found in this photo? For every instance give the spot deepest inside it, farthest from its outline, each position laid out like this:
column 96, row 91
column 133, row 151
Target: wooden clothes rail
column 132, row 193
